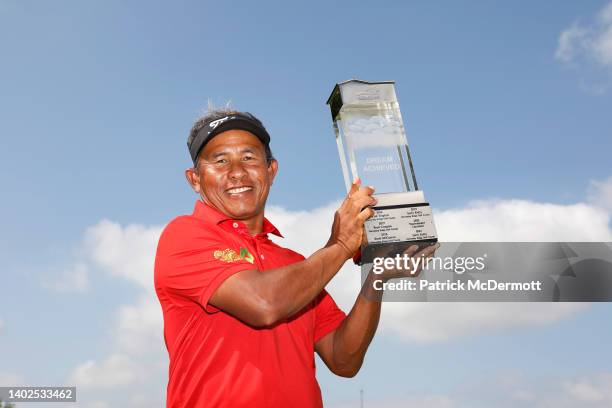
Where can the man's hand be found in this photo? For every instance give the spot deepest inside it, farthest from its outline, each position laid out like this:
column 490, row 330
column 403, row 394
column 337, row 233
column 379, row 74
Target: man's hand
column 348, row 230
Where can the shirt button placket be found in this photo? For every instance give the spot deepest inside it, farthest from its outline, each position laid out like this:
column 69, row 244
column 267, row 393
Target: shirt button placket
column 257, row 253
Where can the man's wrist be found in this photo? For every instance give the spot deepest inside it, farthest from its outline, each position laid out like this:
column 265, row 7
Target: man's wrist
column 339, row 248
column 369, row 289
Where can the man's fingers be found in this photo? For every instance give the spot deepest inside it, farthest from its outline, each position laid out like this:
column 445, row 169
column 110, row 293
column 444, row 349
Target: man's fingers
column 364, row 237
column 366, row 191
column 354, row 187
column 352, row 191
column 429, row 250
column 364, row 215
column 425, row 255
column 411, row 250
column 360, row 202
column 356, row 194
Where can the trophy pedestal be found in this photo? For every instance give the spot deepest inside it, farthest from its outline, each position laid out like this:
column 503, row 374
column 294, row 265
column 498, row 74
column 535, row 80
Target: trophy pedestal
column 400, row 221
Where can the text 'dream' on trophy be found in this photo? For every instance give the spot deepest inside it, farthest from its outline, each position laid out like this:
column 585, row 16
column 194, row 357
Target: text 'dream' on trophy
column 381, row 167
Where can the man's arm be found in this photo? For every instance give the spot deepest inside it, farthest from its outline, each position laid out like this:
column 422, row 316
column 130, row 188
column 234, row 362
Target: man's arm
column 263, row 299
column 344, row 349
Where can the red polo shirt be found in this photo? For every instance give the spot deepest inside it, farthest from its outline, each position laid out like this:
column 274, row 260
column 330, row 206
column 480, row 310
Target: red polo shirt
column 217, row 360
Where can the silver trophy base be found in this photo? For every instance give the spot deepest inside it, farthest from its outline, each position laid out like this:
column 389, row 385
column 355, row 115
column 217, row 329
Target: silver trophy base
column 400, row 221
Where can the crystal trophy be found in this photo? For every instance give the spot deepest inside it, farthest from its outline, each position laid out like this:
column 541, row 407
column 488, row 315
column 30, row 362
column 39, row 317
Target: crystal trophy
column 373, row 146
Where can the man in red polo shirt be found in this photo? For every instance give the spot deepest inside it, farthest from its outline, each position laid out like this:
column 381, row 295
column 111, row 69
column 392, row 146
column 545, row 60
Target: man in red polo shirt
column 243, row 316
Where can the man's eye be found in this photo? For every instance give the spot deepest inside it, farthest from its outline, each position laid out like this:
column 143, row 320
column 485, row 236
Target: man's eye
column 221, row 161
column 245, row 158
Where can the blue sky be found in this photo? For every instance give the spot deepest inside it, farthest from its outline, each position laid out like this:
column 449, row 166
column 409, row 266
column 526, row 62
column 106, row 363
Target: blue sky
column 97, row 98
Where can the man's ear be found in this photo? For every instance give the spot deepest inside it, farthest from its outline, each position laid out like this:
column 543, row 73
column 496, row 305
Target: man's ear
column 193, row 178
column 272, row 170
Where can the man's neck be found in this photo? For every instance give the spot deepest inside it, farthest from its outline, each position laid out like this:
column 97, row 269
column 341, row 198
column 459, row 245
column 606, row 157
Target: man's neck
column 254, row 225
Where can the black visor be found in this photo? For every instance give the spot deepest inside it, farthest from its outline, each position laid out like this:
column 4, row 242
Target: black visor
column 240, row 120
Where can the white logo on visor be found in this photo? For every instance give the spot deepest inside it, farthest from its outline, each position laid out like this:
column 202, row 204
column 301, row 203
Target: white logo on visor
column 217, row 122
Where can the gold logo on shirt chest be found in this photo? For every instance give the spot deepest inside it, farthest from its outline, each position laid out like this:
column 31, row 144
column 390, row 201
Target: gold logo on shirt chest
column 229, row 255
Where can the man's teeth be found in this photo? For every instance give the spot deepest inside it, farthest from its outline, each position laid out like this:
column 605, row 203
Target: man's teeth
column 239, row 190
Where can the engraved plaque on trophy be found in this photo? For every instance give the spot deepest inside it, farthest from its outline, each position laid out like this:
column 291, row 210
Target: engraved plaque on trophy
column 373, row 146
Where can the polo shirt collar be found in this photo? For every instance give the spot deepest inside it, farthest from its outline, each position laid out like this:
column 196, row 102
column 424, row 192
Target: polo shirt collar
column 204, row 211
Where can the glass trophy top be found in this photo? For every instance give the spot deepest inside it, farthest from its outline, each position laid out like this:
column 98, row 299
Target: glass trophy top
column 371, row 137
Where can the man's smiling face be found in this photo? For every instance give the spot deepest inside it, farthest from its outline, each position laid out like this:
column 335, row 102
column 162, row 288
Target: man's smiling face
column 234, row 175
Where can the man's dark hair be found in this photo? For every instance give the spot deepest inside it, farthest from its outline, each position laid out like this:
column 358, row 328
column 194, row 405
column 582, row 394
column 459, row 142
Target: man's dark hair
column 213, row 114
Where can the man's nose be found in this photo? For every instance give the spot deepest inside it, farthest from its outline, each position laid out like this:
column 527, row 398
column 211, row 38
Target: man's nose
column 236, row 170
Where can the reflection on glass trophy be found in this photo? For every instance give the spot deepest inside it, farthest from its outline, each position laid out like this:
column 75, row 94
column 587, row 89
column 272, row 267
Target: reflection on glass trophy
column 372, row 145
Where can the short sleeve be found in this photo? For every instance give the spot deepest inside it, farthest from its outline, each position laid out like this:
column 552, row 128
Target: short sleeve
column 328, row 315
column 192, row 262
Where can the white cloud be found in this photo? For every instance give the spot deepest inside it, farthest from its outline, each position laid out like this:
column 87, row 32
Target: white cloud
column 523, row 221
column 73, row 280
column 429, row 401
column 139, row 326
column 117, row 370
column 98, row 404
column 127, row 252
column 587, row 391
column 589, row 46
column 138, row 359
column 143, row 401
column 592, row 391
column 584, row 391
column 436, row 322
column 12, row 379
column 591, row 41
column 571, row 42
column 600, row 194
